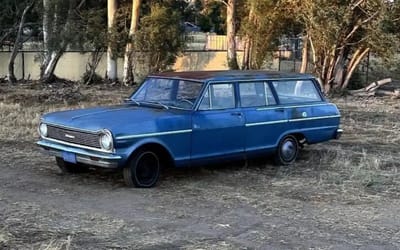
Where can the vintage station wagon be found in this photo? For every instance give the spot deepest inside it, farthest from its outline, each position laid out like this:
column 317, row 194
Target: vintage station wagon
column 191, row 118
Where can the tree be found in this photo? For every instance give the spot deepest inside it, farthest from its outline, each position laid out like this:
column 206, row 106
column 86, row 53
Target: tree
column 92, row 35
column 259, row 30
column 59, row 19
column 112, row 6
column 128, row 74
column 159, row 38
column 231, row 20
column 18, row 42
column 341, row 34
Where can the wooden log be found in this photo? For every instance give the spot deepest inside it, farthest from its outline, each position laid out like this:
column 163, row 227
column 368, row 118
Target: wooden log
column 364, row 94
column 394, row 94
column 371, row 87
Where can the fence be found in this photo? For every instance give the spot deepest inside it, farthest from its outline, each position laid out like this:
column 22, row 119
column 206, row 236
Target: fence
column 203, row 52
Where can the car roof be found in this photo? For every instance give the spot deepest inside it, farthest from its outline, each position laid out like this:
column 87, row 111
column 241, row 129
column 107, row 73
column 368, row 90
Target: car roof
column 233, row 75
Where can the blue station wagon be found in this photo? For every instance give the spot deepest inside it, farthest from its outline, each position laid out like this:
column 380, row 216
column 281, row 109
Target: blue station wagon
column 193, row 118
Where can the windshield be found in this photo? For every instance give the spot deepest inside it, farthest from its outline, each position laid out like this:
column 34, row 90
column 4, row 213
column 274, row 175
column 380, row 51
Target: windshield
column 172, row 93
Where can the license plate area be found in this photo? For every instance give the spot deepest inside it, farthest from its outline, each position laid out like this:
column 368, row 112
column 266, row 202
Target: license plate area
column 69, row 157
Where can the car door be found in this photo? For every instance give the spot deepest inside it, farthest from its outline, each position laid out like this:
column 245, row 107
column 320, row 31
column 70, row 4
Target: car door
column 265, row 121
column 218, row 125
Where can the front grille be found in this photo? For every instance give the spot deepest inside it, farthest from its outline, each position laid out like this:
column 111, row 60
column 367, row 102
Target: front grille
column 72, row 136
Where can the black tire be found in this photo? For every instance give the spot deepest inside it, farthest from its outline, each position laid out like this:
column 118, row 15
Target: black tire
column 70, row 168
column 287, row 151
column 142, row 170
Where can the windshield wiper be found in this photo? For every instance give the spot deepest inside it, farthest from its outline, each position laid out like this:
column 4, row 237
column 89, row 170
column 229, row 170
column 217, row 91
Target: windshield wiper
column 157, row 103
column 132, row 100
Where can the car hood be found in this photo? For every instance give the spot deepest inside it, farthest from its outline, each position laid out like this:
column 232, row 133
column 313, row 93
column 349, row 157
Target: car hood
column 121, row 119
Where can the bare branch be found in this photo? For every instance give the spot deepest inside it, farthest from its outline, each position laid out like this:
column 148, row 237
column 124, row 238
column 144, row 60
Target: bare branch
column 357, row 4
column 223, row 2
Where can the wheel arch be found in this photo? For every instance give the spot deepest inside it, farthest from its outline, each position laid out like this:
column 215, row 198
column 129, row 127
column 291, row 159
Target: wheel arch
column 157, row 147
column 300, row 137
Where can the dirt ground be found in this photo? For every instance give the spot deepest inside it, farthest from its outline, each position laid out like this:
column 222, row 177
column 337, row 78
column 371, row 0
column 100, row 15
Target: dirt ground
column 342, row 194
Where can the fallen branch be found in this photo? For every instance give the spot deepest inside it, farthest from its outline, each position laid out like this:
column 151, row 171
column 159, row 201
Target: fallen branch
column 394, row 94
column 371, row 89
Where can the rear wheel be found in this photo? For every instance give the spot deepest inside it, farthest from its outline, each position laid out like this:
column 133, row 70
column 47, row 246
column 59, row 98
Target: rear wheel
column 287, row 151
column 71, row 168
column 143, row 169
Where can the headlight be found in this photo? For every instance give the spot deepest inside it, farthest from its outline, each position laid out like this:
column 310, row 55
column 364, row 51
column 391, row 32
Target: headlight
column 43, row 129
column 106, row 140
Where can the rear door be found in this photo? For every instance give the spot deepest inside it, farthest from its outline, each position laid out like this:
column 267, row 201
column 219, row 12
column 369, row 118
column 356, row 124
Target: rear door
column 218, row 125
column 264, row 120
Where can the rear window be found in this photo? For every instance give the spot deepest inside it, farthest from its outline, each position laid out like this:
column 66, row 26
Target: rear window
column 296, row 91
column 255, row 94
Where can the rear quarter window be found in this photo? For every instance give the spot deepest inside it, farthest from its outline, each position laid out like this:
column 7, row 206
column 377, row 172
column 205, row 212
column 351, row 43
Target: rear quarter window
column 296, row 91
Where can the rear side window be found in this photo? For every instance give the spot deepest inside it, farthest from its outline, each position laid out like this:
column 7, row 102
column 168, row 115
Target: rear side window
column 255, row 94
column 296, row 91
column 218, row 96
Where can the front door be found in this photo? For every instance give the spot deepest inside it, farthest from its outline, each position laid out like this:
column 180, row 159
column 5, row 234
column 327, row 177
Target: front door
column 218, row 125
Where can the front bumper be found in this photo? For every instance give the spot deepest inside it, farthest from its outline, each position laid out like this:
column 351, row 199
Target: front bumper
column 84, row 156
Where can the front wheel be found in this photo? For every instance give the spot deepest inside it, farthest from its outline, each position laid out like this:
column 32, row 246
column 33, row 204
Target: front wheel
column 287, row 151
column 142, row 170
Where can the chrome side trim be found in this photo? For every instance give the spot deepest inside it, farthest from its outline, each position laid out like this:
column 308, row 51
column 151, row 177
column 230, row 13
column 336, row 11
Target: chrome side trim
column 125, row 137
column 314, row 118
column 265, row 123
column 296, row 106
column 318, row 128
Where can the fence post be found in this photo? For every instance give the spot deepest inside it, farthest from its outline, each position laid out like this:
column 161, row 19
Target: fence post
column 367, row 76
column 294, row 60
column 23, row 64
column 279, row 60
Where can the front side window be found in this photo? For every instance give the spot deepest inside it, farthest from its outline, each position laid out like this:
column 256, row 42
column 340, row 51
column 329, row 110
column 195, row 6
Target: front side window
column 296, row 91
column 218, row 96
column 255, row 94
column 169, row 92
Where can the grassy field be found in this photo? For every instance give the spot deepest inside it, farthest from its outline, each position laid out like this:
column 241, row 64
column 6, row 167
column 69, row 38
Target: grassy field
column 340, row 194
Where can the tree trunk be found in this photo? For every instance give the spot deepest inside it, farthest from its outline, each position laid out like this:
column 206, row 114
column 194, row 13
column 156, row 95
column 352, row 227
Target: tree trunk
column 128, row 60
column 46, row 30
column 352, row 66
column 48, row 73
column 248, row 42
column 304, row 56
column 231, row 34
column 112, row 6
column 52, row 55
column 11, row 76
column 91, row 67
column 246, row 54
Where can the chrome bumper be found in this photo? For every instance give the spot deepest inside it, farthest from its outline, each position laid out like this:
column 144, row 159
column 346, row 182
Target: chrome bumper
column 338, row 133
column 83, row 156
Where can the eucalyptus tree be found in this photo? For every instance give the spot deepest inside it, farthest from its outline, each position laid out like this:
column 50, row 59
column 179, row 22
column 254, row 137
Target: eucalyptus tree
column 341, row 34
column 128, row 60
column 59, row 33
column 159, row 40
column 112, row 7
column 18, row 42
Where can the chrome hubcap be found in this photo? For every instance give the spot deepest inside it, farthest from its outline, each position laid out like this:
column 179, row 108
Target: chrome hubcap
column 288, row 150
